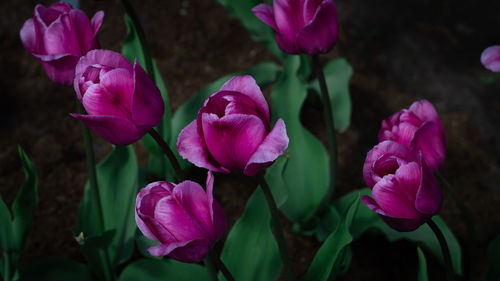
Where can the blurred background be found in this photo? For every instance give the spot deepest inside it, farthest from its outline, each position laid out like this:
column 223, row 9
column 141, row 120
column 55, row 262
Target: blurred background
column 401, row 51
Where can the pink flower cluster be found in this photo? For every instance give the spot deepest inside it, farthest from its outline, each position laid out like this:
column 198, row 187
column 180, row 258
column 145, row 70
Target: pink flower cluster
column 399, row 170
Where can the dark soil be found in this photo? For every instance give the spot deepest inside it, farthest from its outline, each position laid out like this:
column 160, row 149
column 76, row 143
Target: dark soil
column 401, row 51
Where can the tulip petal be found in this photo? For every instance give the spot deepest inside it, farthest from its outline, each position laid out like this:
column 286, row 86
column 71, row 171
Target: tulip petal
column 59, row 68
column 62, row 7
column 192, row 147
column 195, row 203
column 404, row 225
column 217, row 214
column 490, row 58
column 49, row 15
column 264, row 12
column 102, row 57
column 96, row 21
column 152, row 229
column 392, row 198
column 390, row 148
column 428, row 140
column 409, row 177
column 193, row 251
column 429, row 196
column 29, row 37
column 165, row 249
column 425, row 111
column 275, row 143
column 83, row 30
column 61, row 37
column 288, row 18
column 310, row 8
column 320, row 34
column 177, row 219
column 112, row 97
column 116, row 130
column 147, row 103
column 246, row 85
column 232, row 139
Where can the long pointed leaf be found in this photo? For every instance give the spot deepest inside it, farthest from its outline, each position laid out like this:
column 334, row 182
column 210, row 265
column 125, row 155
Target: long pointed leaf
column 162, row 270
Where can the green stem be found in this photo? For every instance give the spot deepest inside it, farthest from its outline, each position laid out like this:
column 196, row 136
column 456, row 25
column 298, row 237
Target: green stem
column 330, row 129
column 210, row 265
column 169, row 153
column 464, row 211
column 444, row 248
column 278, row 229
column 94, row 188
column 220, row 265
column 148, row 60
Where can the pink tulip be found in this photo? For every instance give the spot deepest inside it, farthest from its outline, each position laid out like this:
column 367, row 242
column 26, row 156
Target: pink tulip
column 419, row 129
column 121, row 101
column 405, row 192
column 490, row 58
column 58, row 36
column 232, row 131
column 301, row 26
column 184, row 218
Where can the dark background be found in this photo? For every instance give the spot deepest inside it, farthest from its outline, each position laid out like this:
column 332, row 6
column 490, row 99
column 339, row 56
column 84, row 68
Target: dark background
column 401, row 51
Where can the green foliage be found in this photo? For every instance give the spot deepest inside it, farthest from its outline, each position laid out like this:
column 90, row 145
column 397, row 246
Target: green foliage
column 56, row 269
column 117, row 181
column 422, row 266
column 14, row 227
column 163, row 270
column 494, row 260
column 366, row 219
column 332, row 255
column 250, row 251
column 306, row 184
column 338, row 73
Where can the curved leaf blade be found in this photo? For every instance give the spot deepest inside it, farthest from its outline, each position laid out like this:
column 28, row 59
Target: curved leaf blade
column 160, row 270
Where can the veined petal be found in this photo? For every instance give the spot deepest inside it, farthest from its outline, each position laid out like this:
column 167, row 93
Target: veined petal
column 392, row 198
column 246, row 85
column 288, row 17
column 96, row 21
column 29, row 37
column 177, row 220
column 192, row 147
column 275, row 143
column 429, row 195
column 429, row 141
column 217, row 214
column 192, row 252
column 59, row 68
column 232, row 139
column 61, row 37
column 165, row 249
column 409, row 177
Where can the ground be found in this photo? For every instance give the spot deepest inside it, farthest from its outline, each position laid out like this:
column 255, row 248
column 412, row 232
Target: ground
column 401, row 51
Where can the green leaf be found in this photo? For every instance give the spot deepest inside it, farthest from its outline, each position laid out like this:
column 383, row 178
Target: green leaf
column 250, row 251
column 56, row 269
column 14, row 228
column 494, row 260
column 305, row 176
column 330, row 257
column 143, row 244
column 25, row 202
column 422, row 266
column 259, row 31
column 367, row 219
column 162, row 270
column 117, row 180
column 132, row 49
column 338, row 73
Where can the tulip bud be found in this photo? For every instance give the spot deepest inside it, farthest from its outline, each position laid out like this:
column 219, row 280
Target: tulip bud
column 308, row 26
column 490, row 58
column 405, row 192
column 232, row 131
column 121, row 101
column 419, row 129
column 184, row 218
column 58, row 36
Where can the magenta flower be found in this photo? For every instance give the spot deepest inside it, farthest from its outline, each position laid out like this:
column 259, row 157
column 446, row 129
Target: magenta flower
column 419, row 129
column 121, row 101
column 58, row 36
column 490, row 58
column 405, row 192
column 232, row 131
column 184, row 218
column 301, row 26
